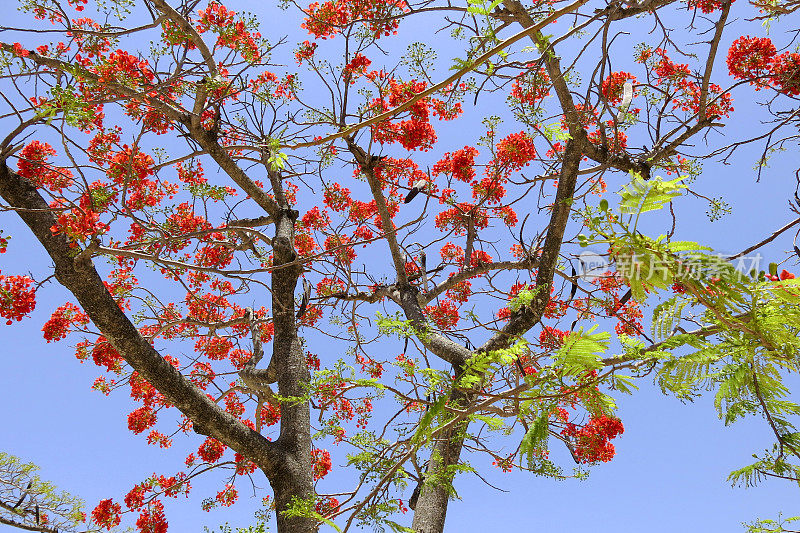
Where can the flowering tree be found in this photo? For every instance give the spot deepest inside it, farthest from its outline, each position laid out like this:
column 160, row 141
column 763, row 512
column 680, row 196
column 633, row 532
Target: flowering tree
column 275, row 250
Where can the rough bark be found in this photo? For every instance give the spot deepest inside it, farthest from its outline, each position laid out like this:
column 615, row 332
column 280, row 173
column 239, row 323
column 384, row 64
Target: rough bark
column 431, row 509
column 295, row 474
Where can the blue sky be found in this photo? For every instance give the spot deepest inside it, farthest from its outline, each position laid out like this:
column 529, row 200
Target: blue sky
column 671, row 463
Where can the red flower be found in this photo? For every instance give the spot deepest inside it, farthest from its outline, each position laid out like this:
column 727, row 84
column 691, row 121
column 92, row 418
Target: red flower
column 750, row 58
column 591, row 442
column 106, row 514
column 612, row 87
column 358, row 65
column 530, row 88
column 322, row 463
column 152, row 520
column 227, row 496
column 337, row 197
column 552, row 338
column 141, row 419
column 17, row 297
column 514, row 152
column 135, row 498
column 327, row 507
column 33, row 165
column 706, row 6
column 270, row 414
column 786, row 73
column 444, row 315
column 305, row 52
column 20, row 51
column 211, row 450
column 459, row 164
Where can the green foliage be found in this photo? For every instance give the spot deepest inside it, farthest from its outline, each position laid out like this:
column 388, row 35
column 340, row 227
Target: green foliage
column 641, row 196
column 481, row 7
column 534, row 445
column 22, row 490
column 277, row 159
column 744, row 340
column 304, row 508
column 396, row 325
column 581, row 352
column 666, row 316
column 774, row 526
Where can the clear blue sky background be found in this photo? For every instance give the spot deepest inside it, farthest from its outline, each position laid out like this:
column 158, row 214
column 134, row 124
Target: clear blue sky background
column 671, row 464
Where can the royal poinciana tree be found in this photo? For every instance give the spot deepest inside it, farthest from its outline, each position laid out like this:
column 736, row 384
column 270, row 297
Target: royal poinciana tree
column 328, row 245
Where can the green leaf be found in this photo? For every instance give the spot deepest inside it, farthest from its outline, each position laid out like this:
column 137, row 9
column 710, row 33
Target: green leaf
column 424, row 427
column 623, row 383
column 535, row 440
column 640, row 196
column 581, row 351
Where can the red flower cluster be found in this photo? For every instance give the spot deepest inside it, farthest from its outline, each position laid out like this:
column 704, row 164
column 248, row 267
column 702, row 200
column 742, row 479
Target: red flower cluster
column 329, row 286
column 551, row 338
column 333, row 16
column 339, row 247
column 451, row 253
column 444, row 314
column 686, row 89
column 227, row 496
column 33, row 165
column 592, row 440
column 514, row 152
column 122, row 67
column 327, row 507
column 415, row 132
column 270, row 414
column 755, row 59
column 107, row 514
column 20, row 51
column 460, row 292
column 356, row 67
column 785, row 274
column 751, row 57
column 211, row 450
column 17, row 297
column 459, row 164
column 152, row 519
column 322, row 463
column 530, row 88
column 231, row 33
column 141, row 419
column 457, row 218
column 244, row 466
column 706, row 6
column 612, row 87
column 337, row 197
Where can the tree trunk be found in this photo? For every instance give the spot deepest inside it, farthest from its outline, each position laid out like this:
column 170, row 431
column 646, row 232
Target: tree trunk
column 431, row 508
column 292, row 484
column 295, row 478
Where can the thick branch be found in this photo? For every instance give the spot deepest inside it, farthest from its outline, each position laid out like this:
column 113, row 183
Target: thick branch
column 409, row 296
column 527, row 317
column 82, row 280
